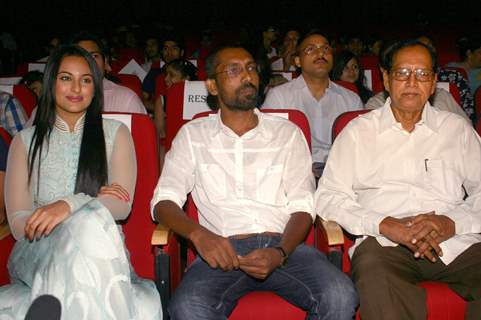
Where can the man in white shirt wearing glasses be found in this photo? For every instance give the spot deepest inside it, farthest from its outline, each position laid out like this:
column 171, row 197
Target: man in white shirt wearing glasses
column 315, row 94
column 406, row 178
column 250, row 178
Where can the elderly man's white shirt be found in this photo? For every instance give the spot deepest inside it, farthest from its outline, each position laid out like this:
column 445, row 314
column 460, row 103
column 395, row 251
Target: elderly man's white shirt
column 321, row 113
column 376, row 169
column 246, row 184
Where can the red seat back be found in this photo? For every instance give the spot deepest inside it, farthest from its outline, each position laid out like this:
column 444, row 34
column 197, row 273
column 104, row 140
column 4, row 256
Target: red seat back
column 132, row 82
column 477, row 102
column 138, row 227
column 348, row 85
column 26, row 97
column 7, row 243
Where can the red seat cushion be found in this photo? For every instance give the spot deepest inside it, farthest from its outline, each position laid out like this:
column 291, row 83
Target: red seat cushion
column 259, row 305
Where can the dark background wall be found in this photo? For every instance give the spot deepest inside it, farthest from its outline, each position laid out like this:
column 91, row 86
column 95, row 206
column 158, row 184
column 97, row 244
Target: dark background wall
column 33, row 22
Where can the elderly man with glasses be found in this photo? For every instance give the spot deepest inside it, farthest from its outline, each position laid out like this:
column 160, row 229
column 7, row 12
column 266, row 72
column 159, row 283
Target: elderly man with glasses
column 406, row 178
column 314, row 94
column 250, row 178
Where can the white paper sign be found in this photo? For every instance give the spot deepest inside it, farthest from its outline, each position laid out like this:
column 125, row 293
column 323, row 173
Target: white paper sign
column 284, row 115
column 134, row 68
column 277, row 65
column 368, row 76
column 193, row 61
column 124, row 118
column 287, row 75
column 195, row 99
column 7, row 88
column 443, row 85
column 10, row 80
column 36, row 67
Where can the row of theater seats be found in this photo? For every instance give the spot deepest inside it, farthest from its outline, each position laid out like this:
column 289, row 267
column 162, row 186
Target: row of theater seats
column 157, row 255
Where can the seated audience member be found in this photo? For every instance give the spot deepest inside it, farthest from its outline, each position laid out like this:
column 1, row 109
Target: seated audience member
column 117, row 98
column 287, row 51
column 249, row 236
column 406, row 178
column 355, row 45
column 152, row 54
column 69, row 178
column 453, row 76
column 153, row 86
column 175, row 71
column 12, row 114
column 347, row 68
column 269, row 37
column 3, row 166
column 33, row 81
column 315, row 94
column 53, row 44
column 470, row 52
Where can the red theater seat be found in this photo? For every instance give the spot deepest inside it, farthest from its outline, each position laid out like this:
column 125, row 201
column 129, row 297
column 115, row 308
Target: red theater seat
column 6, row 239
column 132, row 82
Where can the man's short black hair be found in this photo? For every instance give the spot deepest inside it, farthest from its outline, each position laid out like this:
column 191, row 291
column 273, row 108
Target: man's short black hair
column 210, row 68
column 174, row 38
column 388, row 55
column 87, row 36
column 313, row 32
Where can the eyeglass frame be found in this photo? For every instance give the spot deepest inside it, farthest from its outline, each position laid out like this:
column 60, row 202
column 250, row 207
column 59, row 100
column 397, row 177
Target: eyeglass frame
column 416, row 74
column 240, row 69
column 325, row 48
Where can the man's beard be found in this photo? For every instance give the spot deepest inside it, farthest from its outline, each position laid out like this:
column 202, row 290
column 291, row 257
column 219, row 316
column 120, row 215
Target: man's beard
column 243, row 102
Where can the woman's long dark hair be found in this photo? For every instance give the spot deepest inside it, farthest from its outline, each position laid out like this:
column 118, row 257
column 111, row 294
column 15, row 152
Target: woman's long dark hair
column 340, row 62
column 92, row 165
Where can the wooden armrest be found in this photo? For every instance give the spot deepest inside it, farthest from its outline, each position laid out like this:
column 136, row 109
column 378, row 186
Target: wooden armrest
column 160, row 236
column 334, row 232
column 4, row 230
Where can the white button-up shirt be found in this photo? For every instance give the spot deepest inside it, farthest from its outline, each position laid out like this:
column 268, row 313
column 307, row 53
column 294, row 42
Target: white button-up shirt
column 321, row 113
column 246, row 184
column 377, row 169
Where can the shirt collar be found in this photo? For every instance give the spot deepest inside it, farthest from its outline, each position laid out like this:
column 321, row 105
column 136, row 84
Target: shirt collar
column 259, row 129
column 387, row 119
column 62, row 126
column 300, row 83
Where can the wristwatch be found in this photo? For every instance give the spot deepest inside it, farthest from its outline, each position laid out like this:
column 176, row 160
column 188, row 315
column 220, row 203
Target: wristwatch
column 283, row 254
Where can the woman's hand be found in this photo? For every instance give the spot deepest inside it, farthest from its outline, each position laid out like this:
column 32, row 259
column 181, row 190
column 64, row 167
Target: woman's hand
column 115, row 190
column 45, row 219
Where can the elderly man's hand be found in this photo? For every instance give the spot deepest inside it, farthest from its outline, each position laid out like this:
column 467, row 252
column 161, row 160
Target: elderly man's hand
column 429, row 230
column 400, row 231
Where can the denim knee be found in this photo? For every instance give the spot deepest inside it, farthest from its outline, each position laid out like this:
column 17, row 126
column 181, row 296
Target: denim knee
column 340, row 297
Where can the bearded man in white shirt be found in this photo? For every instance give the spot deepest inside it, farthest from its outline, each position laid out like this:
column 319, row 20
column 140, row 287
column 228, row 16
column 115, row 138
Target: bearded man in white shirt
column 407, row 179
column 249, row 174
column 315, row 94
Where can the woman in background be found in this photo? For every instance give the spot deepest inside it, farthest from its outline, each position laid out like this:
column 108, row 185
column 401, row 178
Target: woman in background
column 347, row 68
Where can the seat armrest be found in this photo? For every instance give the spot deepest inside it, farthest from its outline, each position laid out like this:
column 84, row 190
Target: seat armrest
column 161, row 235
column 4, row 230
column 333, row 232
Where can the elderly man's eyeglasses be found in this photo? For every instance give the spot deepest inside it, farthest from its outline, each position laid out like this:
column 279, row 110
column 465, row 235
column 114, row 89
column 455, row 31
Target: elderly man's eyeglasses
column 234, row 70
column 421, row 75
column 310, row 49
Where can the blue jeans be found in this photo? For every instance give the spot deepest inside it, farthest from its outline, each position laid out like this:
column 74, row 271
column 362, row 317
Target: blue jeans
column 308, row 281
